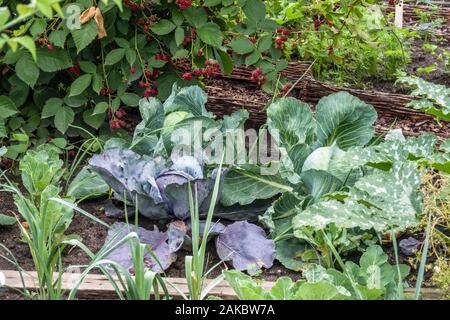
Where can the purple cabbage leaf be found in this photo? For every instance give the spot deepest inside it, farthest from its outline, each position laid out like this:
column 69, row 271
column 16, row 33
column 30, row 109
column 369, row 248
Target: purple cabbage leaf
column 176, row 233
column 409, row 246
column 132, row 177
column 160, row 193
column 215, row 229
column 156, row 240
column 246, row 246
column 242, row 243
column 113, row 211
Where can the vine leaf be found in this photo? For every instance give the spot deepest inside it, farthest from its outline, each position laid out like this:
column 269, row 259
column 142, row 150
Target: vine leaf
column 27, row 70
column 85, row 35
column 210, row 34
column 64, row 118
column 80, row 85
column 163, row 27
column 52, row 61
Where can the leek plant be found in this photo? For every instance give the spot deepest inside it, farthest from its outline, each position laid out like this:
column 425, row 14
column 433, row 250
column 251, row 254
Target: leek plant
column 44, row 222
column 141, row 283
column 195, row 264
column 44, row 217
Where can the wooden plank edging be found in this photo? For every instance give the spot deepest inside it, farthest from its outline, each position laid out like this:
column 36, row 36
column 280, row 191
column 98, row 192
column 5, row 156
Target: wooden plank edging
column 98, row 286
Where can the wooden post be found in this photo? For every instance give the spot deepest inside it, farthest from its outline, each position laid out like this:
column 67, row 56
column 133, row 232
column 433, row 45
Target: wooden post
column 399, row 14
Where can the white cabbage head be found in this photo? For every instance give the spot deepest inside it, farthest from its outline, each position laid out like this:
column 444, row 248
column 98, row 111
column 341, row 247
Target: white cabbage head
column 321, row 158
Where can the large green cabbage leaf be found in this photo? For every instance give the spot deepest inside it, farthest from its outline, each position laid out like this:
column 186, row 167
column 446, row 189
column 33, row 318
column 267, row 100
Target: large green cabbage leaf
column 246, row 184
column 342, row 121
column 435, row 98
column 345, row 120
column 293, row 120
column 383, row 201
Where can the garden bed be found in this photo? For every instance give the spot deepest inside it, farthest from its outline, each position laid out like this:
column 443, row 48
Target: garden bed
column 103, row 119
column 93, row 235
column 225, row 95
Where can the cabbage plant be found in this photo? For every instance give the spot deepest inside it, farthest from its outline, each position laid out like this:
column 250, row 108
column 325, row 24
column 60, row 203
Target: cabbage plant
column 158, row 190
column 142, row 174
column 141, row 168
column 371, row 279
column 336, row 180
column 161, row 191
column 152, row 136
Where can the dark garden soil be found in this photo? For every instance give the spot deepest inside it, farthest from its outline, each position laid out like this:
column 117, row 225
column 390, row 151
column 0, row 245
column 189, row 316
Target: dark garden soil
column 420, row 58
column 7, row 295
column 423, row 59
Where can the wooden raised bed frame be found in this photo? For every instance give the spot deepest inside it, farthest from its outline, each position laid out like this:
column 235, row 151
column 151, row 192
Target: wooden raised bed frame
column 97, row 286
column 311, row 90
